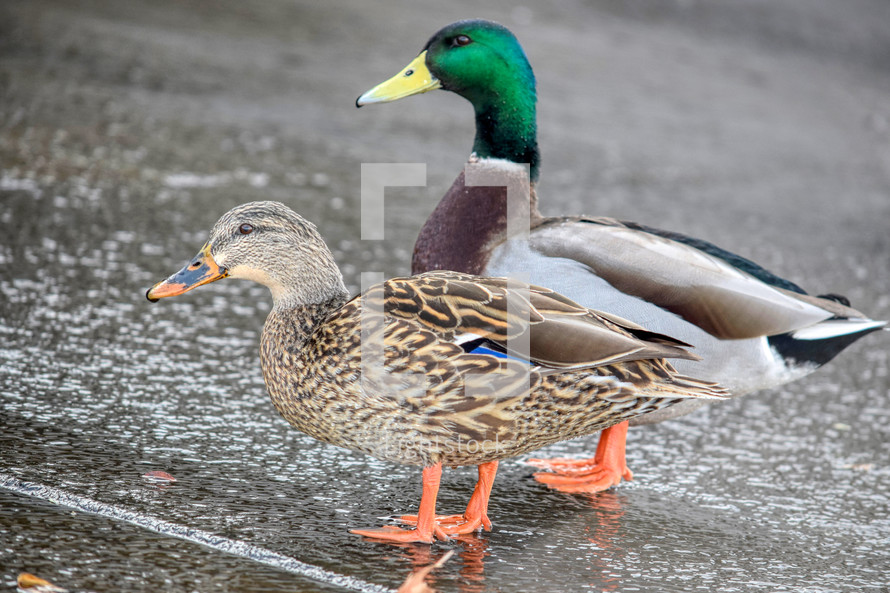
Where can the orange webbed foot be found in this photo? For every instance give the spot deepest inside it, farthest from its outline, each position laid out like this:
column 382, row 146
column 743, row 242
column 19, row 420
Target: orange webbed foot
column 443, row 520
column 597, row 480
column 603, row 471
column 391, row 533
column 454, row 524
column 476, row 515
column 565, row 466
column 429, row 525
column 427, row 530
column 468, row 525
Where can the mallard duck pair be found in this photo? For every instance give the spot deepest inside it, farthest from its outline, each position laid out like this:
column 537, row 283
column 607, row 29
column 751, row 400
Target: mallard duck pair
column 475, row 369
column 752, row 329
column 440, row 368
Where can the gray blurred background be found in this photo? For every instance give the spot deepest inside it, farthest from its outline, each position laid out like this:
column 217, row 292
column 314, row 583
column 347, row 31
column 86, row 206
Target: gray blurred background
column 127, row 128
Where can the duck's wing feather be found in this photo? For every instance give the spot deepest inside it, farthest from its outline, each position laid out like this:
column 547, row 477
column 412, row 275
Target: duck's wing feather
column 567, row 357
column 733, row 259
column 528, row 322
column 702, row 288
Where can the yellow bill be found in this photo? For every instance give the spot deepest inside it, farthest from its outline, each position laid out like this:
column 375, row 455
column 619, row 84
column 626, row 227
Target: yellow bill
column 416, row 78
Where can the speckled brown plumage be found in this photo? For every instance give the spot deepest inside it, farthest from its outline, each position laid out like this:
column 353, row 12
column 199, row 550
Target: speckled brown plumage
column 441, row 368
column 432, row 401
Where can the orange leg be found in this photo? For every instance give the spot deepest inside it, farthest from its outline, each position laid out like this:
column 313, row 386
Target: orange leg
column 427, row 529
column 476, row 515
column 589, row 475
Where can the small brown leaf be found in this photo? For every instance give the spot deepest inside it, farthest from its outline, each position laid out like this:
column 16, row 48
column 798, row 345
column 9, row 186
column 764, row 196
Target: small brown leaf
column 34, row 584
column 158, row 476
column 862, row 467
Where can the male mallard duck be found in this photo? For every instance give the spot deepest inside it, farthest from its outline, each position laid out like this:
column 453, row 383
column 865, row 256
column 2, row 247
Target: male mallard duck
column 753, row 329
column 474, row 369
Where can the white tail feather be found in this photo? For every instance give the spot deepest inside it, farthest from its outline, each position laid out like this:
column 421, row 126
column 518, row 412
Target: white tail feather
column 833, row 328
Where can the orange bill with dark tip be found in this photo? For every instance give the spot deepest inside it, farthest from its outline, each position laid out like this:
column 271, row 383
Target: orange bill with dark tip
column 203, row 269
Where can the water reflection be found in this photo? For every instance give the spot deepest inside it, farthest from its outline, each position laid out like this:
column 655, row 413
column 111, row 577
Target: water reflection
column 604, row 534
column 599, row 519
column 470, row 553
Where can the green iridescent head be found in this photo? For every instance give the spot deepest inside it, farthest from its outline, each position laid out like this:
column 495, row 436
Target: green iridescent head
column 483, row 62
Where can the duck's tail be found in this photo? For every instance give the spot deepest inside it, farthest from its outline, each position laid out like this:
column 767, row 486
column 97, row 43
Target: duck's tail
column 664, row 382
column 819, row 343
column 685, row 387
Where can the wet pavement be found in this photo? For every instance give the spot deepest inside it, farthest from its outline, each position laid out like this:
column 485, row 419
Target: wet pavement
column 127, row 128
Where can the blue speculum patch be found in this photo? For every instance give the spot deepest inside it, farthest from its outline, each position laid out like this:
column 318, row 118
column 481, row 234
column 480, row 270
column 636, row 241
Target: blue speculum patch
column 483, row 350
column 483, row 346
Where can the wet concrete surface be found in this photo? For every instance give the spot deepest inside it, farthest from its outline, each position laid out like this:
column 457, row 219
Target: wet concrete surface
column 127, row 128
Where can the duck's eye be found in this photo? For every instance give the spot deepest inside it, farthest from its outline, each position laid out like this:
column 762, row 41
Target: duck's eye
column 245, row 229
column 461, row 40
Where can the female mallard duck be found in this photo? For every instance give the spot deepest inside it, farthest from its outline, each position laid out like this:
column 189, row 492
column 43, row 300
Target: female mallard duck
column 473, row 369
column 753, row 329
